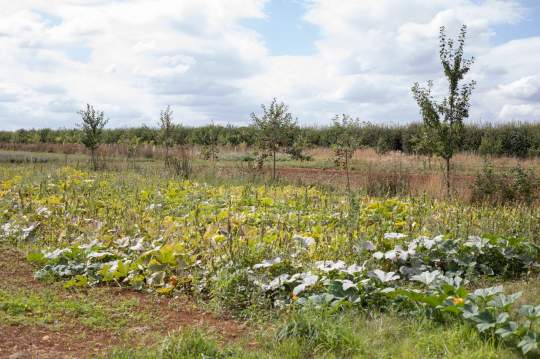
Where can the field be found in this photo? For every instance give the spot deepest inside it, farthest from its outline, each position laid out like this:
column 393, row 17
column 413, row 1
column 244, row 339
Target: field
column 394, row 173
column 135, row 262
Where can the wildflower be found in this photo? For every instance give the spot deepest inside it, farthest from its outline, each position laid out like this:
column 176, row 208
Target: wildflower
column 457, row 300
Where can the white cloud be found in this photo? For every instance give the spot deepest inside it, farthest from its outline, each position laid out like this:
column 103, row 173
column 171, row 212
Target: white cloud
column 524, row 112
column 131, row 58
column 382, row 47
column 526, row 88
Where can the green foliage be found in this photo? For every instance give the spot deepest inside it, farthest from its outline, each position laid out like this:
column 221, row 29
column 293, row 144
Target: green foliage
column 235, row 291
column 383, row 146
column 510, row 139
column 167, row 129
column 191, row 344
column 209, row 139
column 488, row 309
column 444, row 120
column 490, row 145
column 320, row 332
column 93, row 123
column 182, row 165
column 131, row 143
column 517, row 142
column 188, row 344
column 512, row 186
column 346, row 130
column 423, row 143
column 296, row 148
column 275, row 129
column 23, row 307
column 248, row 247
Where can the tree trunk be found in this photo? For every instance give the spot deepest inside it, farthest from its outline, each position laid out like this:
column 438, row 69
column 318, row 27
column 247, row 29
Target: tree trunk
column 347, row 172
column 93, row 155
column 274, row 166
column 448, row 177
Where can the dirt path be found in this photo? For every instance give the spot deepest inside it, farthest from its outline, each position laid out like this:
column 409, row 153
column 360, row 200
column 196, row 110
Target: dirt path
column 64, row 329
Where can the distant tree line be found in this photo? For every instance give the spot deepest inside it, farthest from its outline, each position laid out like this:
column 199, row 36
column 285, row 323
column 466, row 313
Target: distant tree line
column 511, row 139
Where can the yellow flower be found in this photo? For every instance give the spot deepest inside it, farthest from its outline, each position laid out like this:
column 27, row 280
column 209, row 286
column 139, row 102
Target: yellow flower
column 54, row 200
column 457, row 300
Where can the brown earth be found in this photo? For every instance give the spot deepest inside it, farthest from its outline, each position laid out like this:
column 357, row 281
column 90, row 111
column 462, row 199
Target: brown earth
column 73, row 339
column 374, row 181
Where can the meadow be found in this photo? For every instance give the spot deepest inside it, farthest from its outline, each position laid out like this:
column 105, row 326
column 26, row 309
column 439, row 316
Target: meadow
column 133, row 261
column 392, row 173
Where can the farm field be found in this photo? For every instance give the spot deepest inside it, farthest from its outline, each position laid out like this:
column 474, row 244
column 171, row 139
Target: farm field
column 270, row 179
column 374, row 174
column 124, row 263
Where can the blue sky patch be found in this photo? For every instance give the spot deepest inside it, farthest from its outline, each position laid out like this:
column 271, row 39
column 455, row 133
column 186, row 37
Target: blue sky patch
column 283, row 30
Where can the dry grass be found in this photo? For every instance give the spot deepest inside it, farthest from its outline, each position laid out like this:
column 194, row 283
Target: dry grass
column 389, row 174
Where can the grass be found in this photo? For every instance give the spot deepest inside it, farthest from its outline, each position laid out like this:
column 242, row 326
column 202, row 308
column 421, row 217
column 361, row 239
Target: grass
column 296, row 334
column 375, row 174
column 317, row 334
column 189, row 344
column 52, row 308
column 79, row 322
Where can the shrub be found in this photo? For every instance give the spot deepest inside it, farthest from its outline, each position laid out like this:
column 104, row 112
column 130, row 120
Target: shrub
column 233, row 290
column 514, row 186
column 182, row 165
column 523, row 184
column 490, row 145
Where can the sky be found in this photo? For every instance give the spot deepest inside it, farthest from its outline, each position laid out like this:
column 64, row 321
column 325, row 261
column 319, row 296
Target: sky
column 218, row 61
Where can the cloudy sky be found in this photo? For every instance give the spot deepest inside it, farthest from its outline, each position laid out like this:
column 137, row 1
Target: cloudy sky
column 218, row 60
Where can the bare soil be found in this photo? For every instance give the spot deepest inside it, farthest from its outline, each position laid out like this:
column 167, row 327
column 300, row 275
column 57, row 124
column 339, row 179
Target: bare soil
column 76, row 340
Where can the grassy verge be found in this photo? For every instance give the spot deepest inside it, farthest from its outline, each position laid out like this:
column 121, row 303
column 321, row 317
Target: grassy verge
column 50, row 308
column 318, row 334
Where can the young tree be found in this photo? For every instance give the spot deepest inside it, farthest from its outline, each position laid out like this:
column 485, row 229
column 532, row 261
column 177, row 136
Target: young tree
column 444, row 120
column 167, row 128
column 92, row 125
column 131, row 141
column 275, row 129
column 209, row 140
column 233, row 136
column 423, row 145
column 383, row 145
column 297, row 146
column 347, row 142
column 490, row 145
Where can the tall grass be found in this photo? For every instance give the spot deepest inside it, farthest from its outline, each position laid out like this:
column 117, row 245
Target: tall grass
column 320, row 334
